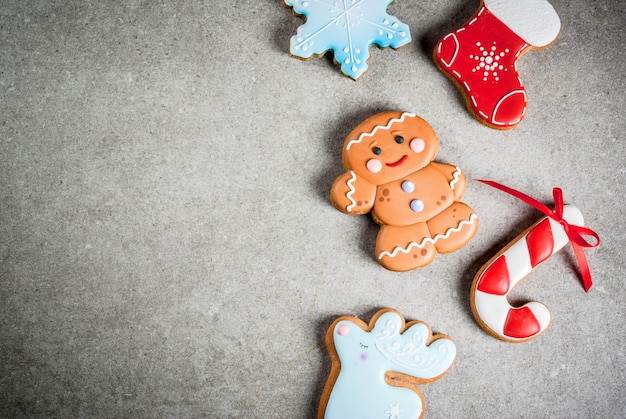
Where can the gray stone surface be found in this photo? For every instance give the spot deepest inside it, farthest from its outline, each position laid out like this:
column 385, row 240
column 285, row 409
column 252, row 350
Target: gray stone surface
column 167, row 244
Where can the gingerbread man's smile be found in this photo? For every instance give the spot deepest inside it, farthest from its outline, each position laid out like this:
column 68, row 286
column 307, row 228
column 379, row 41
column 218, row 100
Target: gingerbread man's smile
column 398, row 163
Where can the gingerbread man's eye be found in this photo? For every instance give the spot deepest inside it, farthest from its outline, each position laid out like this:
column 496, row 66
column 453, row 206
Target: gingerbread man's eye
column 399, row 139
column 377, row 151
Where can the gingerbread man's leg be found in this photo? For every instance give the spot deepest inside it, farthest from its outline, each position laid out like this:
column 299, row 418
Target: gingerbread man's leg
column 403, row 248
column 453, row 227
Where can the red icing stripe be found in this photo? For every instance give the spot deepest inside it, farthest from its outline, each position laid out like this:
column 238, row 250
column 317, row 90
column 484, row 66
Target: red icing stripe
column 521, row 323
column 540, row 242
column 495, row 279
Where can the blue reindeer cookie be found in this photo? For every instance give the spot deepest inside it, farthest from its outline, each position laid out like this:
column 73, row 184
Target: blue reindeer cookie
column 376, row 368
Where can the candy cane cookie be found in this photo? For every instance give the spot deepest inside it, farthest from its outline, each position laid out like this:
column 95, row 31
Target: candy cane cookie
column 495, row 280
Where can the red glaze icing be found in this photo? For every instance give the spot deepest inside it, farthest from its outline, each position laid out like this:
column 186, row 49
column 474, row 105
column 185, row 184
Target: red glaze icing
column 399, row 162
column 481, row 57
column 521, row 323
column 540, row 242
column 495, row 279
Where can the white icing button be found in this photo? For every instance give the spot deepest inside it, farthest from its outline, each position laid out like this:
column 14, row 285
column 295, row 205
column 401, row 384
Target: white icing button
column 408, row 186
column 417, row 205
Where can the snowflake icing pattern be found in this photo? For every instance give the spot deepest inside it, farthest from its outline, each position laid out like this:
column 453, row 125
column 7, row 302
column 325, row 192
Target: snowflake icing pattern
column 348, row 28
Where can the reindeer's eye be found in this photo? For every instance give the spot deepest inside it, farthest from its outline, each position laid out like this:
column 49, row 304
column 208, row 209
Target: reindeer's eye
column 377, row 151
column 399, row 139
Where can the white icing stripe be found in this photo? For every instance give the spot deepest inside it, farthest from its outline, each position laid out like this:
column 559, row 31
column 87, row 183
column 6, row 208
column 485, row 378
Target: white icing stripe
column 379, row 127
column 455, row 177
column 351, row 192
column 426, row 240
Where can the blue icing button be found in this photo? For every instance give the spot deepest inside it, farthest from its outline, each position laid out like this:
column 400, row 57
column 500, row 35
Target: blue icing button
column 347, row 28
column 408, row 186
column 417, row 205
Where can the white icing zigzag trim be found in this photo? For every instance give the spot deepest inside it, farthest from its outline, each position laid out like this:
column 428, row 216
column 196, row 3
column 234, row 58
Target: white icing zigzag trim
column 433, row 240
column 389, row 124
column 455, row 177
column 351, row 191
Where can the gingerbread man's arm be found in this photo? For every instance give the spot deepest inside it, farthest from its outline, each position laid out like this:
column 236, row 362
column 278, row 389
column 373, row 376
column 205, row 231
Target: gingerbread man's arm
column 456, row 178
column 351, row 194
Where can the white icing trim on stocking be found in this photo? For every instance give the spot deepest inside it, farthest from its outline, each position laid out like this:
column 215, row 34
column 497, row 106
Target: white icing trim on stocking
column 495, row 110
column 535, row 21
column 456, row 49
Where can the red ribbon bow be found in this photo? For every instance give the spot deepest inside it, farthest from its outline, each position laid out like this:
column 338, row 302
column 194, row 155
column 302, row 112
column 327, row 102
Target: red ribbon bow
column 574, row 233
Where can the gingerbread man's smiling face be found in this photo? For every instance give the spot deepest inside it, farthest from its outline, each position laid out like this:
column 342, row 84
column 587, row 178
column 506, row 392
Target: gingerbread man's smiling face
column 389, row 146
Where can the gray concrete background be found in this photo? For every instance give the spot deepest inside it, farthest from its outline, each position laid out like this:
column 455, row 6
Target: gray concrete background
column 167, row 244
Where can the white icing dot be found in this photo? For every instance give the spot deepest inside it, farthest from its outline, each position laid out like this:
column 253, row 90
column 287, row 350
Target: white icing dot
column 389, row 36
column 489, row 60
column 380, row 31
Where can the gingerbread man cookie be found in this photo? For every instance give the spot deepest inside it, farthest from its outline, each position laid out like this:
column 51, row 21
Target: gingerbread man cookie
column 481, row 56
column 376, row 368
column 390, row 172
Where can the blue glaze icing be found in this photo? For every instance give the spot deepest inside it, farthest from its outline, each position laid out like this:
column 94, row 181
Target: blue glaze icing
column 408, row 186
column 360, row 389
column 348, row 28
column 417, row 205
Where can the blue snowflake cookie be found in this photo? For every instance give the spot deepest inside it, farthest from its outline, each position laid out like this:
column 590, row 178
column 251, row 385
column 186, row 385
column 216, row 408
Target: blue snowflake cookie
column 348, row 28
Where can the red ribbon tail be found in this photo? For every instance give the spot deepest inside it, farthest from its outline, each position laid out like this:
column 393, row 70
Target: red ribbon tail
column 584, row 266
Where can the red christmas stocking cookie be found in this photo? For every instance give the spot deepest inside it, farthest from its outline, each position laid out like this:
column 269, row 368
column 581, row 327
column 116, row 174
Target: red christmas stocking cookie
column 481, row 56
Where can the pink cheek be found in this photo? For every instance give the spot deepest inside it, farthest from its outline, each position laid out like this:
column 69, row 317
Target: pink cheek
column 417, row 145
column 374, row 165
column 343, row 330
column 363, row 356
